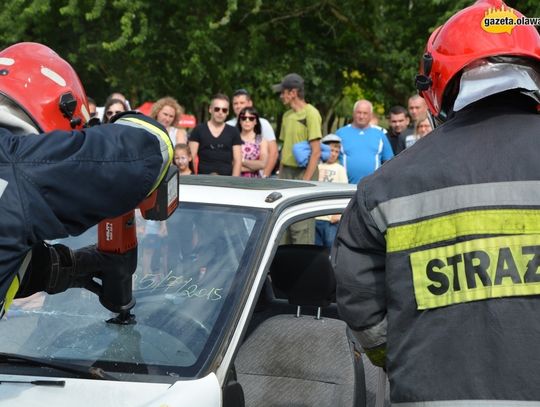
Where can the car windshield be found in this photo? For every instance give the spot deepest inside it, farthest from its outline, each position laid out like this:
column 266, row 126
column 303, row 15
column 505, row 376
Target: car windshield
column 190, row 274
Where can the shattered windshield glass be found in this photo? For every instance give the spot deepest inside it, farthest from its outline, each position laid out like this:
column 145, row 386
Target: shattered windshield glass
column 191, row 270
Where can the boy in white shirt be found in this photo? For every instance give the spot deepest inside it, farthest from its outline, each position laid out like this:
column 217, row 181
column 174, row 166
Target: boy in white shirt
column 330, row 171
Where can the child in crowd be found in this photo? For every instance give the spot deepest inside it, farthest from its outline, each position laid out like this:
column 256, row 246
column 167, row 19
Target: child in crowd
column 183, row 159
column 154, row 253
column 330, row 171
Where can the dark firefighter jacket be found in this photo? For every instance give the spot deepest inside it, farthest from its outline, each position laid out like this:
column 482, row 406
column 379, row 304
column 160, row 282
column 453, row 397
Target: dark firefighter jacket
column 438, row 256
column 61, row 183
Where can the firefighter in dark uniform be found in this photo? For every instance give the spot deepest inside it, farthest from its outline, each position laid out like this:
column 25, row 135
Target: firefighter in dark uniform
column 58, row 178
column 438, row 255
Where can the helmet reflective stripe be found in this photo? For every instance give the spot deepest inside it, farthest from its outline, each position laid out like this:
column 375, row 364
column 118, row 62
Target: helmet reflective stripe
column 56, row 78
column 7, row 61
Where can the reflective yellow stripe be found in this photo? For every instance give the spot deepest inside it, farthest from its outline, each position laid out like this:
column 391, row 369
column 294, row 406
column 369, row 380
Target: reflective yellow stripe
column 10, row 295
column 475, row 270
column 164, row 139
column 481, row 222
column 14, row 286
column 405, row 209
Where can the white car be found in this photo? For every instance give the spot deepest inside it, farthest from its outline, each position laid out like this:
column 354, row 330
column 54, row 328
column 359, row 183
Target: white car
column 217, row 322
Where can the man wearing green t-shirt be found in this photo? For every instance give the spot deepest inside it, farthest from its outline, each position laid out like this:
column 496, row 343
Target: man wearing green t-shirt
column 302, row 122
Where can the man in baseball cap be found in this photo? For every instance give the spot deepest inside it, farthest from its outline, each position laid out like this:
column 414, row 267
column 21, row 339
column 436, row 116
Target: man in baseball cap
column 290, row 81
column 300, row 124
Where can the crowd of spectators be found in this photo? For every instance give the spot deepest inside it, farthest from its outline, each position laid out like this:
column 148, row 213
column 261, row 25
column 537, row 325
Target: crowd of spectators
column 246, row 145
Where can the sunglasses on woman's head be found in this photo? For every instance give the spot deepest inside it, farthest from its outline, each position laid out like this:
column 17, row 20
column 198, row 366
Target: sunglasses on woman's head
column 250, row 118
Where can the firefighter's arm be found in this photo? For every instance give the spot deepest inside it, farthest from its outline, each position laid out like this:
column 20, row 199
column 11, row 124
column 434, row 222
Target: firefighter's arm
column 73, row 180
column 140, row 121
column 358, row 257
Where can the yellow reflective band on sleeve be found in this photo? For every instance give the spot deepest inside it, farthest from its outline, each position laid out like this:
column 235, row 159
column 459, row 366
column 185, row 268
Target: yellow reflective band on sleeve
column 164, row 139
column 476, row 270
column 482, row 222
column 10, row 295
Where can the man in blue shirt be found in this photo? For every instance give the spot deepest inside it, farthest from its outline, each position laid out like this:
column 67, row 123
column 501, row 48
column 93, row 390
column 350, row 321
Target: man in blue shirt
column 365, row 147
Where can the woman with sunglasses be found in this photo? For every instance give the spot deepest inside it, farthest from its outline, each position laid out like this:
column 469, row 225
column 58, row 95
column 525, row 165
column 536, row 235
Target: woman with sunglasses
column 254, row 147
column 113, row 107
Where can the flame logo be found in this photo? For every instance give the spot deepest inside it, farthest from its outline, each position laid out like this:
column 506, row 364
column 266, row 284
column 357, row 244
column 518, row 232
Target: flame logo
column 498, row 21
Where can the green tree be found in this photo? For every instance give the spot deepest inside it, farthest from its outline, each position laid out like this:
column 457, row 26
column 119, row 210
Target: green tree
column 192, row 49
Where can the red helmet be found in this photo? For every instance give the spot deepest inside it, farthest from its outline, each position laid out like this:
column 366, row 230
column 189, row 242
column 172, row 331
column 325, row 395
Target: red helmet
column 464, row 39
column 44, row 85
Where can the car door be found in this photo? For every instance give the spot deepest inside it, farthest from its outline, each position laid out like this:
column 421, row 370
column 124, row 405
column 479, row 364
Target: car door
column 283, row 218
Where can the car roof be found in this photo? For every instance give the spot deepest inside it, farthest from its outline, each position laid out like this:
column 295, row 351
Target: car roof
column 255, row 192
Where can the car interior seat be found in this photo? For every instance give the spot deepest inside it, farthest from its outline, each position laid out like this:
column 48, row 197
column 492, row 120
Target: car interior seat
column 301, row 360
